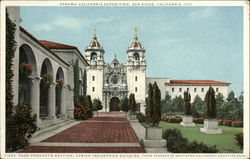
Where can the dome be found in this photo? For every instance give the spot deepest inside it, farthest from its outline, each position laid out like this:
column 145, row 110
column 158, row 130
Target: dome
column 136, row 43
column 94, row 42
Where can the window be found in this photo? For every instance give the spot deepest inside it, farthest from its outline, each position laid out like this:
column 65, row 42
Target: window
column 135, row 89
column 93, row 89
column 217, row 89
column 93, row 56
column 135, row 78
column 93, row 78
column 195, row 89
column 187, row 89
column 179, row 89
column 172, row 89
column 136, row 56
column 202, row 89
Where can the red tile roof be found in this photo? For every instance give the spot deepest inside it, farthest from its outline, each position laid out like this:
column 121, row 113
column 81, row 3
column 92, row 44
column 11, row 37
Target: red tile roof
column 197, row 82
column 54, row 45
column 35, row 39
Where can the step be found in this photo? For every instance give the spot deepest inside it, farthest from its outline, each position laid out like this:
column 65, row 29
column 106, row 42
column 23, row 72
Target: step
column 55, row 125
column 47, row 123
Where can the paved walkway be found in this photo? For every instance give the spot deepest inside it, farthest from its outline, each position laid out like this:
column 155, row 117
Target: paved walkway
column 107, row 133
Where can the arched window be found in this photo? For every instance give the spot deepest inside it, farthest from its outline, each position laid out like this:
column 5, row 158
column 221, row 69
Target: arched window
column 93, row 56
column 136, row 56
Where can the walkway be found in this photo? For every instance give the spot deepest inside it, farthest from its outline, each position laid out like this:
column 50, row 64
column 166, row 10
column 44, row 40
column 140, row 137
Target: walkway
column 107, row 133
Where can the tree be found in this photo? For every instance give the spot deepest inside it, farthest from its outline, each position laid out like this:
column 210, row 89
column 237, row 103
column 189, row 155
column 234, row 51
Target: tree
column 187, row 104
column 124, row 104
column 231, row 96
column 220, row 104
column 89, row 104
column 210, row 103
column 197, row 107
column 178, row 103
column 132, row 103
column 97, row 105
column 76, row 81
column 156, row 104
column 166, row 104
column 10, row 52
column 84, row 84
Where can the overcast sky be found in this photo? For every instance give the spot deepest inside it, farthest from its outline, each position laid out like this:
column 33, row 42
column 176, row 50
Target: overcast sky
column 199, row 43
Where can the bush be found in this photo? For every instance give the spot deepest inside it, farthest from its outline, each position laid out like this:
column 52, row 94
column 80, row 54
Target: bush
column 227, row 122
column 199, row 120
column 220, row 121
column 172, row 119
column 24, row 125
column 141, row 117
column 239, row 139
column 176, row 143
column 237, row 123
column 81, row 111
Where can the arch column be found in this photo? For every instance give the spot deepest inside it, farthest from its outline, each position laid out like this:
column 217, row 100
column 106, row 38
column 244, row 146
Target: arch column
column 52, row 101
column 35, row 96
column 63, row 102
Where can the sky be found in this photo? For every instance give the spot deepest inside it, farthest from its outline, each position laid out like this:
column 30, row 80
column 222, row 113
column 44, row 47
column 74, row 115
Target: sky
column 181, row 43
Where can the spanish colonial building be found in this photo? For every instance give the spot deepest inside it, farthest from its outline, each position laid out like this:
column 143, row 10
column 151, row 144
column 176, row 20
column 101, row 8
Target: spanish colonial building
column 109, row 82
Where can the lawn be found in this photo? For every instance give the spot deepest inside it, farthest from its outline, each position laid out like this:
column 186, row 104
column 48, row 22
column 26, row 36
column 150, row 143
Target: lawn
column 225, row 142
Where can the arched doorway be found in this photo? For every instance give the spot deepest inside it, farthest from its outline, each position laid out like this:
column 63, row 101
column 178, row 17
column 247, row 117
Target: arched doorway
column 44, row 88
column 27, row 67
column 59, row 85
column 114, row 104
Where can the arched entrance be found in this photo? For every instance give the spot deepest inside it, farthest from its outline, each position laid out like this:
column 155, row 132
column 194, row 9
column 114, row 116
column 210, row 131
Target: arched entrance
column 114, row 104
column 59, row 85
column 27, row 67
column 44, row 88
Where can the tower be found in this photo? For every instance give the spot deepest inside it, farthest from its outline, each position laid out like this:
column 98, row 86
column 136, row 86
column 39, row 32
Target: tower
column 94, row 55
column 136, row 70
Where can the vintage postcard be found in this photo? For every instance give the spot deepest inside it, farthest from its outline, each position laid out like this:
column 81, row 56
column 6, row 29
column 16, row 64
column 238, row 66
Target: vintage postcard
column 124, row 79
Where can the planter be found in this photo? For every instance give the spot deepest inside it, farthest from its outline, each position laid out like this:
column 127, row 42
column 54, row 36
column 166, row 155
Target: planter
column 153, row 137
column 187, row 121
column 132, row 118
column 211, row 127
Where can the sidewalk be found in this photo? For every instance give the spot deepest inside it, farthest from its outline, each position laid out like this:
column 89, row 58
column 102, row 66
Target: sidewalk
column 108, row 133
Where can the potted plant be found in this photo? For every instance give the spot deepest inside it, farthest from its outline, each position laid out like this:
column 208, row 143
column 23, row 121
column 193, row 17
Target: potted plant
column 46, row 80
column 187, row 119
column 25, row 69
column 132, row 105
column 153, row 137
column 211, row 123
column 59, row 83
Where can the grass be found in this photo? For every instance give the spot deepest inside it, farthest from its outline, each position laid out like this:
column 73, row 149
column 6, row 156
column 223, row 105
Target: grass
column 225, row 142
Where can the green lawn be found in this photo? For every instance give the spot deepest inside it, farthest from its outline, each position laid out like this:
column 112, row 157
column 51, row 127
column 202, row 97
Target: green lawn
column 225, row 142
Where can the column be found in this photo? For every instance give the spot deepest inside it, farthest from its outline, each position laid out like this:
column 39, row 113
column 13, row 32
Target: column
column 35, row 97
column 70, row 101
column 52, row 101
column 63, row 102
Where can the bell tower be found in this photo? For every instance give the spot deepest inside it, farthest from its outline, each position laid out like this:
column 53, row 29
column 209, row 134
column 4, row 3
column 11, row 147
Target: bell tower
column 136, row 69
column 94, row 54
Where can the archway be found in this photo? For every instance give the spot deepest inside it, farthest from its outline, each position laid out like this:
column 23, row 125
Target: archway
column 27, row 67
column 47, row 71
column 59, row 84
column 114, row 104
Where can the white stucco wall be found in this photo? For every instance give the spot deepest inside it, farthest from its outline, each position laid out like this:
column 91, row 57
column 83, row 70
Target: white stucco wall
column 97, row 83
column 221, row 89
column 160, row 82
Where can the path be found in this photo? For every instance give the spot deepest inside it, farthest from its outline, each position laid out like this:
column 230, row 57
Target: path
column 107, row 133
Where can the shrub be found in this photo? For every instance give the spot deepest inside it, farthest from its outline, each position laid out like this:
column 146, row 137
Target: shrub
column 239, row 139
column 141, row 117
column 199, row 120
column 220, row 121
column 24, row 125
column 82, row 111
column 175, row 120
column 176, row 143
column 237, row 123
column 227, row 122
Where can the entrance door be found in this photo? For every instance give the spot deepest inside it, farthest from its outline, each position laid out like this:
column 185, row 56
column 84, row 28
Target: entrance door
column 114, row 104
